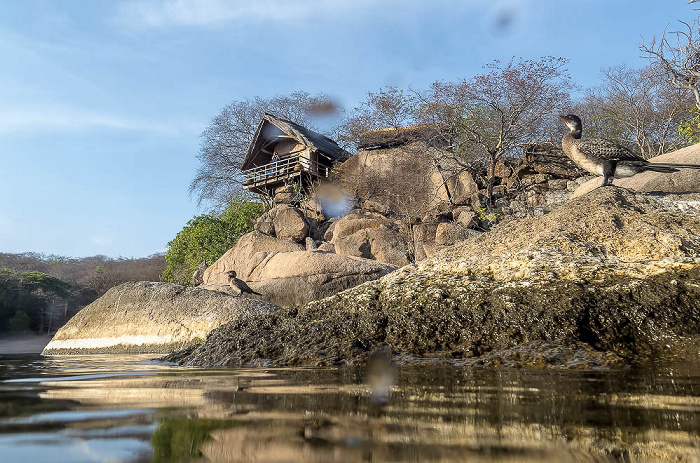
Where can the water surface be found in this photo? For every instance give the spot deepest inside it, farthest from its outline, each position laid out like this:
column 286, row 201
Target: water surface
column 133, row 409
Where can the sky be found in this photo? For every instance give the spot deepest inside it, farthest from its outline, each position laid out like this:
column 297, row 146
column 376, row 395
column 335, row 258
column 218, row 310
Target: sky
column 102, row 102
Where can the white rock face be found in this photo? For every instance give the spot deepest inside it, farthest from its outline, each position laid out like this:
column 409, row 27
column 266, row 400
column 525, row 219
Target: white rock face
column 145, row 317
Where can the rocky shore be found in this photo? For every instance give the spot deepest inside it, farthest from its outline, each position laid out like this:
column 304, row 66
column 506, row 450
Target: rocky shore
column 609, row 278
column 147, row 317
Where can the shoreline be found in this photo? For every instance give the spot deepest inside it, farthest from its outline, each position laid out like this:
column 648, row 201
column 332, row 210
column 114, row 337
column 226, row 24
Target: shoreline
column 23, row 343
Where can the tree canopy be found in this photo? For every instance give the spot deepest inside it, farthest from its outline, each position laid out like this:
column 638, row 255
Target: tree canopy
column 639, row 108
column 225, row 141
column 27, row 299
column 207, row 237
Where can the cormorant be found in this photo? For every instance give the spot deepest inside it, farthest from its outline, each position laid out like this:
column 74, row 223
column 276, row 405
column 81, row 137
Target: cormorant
column 239, row 286
column 606, row 157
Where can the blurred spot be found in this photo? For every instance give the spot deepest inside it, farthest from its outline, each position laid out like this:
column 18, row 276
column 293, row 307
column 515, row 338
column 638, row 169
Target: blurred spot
column 504, row 20
column 323, row 107
column 381, row 376
column 334, row 202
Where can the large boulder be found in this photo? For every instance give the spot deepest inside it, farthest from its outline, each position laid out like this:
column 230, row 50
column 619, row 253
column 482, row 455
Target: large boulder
column 354, row 222
column 405, row 179
column 369, row 235
column 381, row 244
column 448, row 233
column 606, row 279
column 245, row 255
column 424, row 240
column 294, row 278
column 289, row 223
column 464, row 190
column 683, row 181
column 147, row 317
column 285, row 194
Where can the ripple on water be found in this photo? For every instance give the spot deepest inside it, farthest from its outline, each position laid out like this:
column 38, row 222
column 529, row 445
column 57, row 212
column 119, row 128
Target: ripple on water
column 130, row 408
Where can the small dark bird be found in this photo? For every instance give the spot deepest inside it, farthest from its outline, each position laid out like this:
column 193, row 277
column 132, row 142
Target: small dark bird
column 606, row 157
column 239, row 286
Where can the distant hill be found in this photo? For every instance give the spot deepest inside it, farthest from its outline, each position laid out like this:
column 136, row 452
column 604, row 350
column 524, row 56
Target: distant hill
column 41, row 292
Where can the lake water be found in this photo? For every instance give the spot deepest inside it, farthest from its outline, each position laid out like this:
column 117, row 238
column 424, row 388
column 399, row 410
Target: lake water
column 133, row 408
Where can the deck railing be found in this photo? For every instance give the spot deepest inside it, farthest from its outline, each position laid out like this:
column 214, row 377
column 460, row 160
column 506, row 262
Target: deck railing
column 284, row 168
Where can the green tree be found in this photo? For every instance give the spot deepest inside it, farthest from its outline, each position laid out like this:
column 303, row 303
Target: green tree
column 20, row 321
column 689, row 128
column 207, row 237
column 27, row 299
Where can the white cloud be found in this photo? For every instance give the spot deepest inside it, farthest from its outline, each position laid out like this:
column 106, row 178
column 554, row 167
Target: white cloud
column 68, row 119
column 164, row 13
column 102, row 240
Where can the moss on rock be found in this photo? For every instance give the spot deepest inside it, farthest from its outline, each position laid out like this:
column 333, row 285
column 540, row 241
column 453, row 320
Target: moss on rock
column 613, row 274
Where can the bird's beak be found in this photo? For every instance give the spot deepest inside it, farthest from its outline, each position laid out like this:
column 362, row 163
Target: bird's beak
column 563, row 118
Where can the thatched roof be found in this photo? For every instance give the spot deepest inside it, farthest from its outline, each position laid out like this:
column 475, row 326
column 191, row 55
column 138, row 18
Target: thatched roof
column 396, row 136
column 271, row 129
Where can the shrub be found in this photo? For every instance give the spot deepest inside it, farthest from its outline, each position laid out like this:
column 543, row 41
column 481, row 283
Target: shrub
column 207, row 237
column 20, row 321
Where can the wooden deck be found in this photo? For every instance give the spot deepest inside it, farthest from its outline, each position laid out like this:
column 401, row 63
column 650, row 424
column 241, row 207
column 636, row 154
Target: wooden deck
column 280, row 172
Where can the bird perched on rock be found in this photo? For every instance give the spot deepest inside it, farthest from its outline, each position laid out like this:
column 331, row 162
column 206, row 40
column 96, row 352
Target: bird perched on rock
column 606, row 157
column 239, row 286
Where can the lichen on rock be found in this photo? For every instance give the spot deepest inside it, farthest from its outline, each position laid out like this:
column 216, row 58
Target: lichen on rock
column 614, row 273
column 142, row 317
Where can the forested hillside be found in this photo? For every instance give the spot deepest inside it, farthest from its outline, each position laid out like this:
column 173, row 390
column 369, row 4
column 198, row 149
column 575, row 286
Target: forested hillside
column 40, row 293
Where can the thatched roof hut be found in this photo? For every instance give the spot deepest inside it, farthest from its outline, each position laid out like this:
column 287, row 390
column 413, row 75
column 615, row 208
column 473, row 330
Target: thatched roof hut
column 274, row 132
column 302, row 154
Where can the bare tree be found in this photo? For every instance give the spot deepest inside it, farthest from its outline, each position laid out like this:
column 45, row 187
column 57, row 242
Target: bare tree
column 637, row 107
column 676, row 55
column 391, row 107
column 225, row 141
column 493, row 113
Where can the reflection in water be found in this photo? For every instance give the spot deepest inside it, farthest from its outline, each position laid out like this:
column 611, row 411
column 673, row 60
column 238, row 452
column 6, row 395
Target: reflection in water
column 119, row 408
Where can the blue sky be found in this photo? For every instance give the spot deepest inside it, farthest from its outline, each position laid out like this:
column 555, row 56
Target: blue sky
column 102, row 102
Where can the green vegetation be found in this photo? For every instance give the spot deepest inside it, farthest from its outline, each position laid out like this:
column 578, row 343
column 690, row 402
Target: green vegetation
column 486, row 217
column 207, row 237
column 690, row 129
column 180, row 439
column 40, row 293
column 20, row 321
column 28, row 299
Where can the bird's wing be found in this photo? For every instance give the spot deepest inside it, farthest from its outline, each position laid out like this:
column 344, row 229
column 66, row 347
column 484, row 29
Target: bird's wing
column 606, row 150
column 243, row 286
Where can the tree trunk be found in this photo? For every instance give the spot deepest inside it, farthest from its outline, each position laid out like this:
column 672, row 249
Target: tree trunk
column 490, row 179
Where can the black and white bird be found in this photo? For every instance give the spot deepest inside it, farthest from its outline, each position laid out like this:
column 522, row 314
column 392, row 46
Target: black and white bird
column 606, row 157
column 238, row 286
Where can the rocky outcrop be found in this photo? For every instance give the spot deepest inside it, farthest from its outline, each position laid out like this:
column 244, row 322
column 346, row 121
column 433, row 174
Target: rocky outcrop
column 404, row 179
column 147, row 317
column 369, row 235
column 424, row 240
column 448, row 233
column 294, row 278
column 543, row 181
column 683, row 181
column 613, row 273
column 536, row 199
column 289, row 223
column 464, row 190
column 248, row 252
